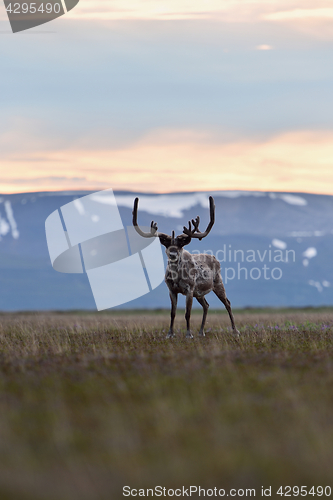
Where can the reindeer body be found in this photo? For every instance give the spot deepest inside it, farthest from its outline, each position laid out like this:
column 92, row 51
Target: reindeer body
column 191, row 275
column 195, row 276
column 195, row 273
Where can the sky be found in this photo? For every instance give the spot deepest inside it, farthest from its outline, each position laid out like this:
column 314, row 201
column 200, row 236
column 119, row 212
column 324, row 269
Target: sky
column 164, row 96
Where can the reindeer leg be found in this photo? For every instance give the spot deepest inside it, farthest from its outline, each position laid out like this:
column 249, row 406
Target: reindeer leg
column 174, row 298
column 219, row 290
column 189, row 301
column 203, row 302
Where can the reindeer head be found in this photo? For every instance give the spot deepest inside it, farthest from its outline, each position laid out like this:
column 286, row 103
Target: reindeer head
column 174, row 244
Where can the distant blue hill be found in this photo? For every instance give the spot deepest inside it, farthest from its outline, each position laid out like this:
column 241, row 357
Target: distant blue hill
column 258, row 226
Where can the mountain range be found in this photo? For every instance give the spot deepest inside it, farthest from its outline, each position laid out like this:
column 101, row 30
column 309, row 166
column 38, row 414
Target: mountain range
column 275, row 249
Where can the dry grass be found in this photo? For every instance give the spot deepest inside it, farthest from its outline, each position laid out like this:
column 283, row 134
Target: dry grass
column 92, row 402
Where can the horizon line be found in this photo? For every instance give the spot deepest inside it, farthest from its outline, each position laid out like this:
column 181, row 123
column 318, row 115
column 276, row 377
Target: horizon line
column 68, row 191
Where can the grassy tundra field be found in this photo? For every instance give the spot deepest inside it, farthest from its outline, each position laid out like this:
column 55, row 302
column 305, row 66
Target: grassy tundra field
column 92, row 402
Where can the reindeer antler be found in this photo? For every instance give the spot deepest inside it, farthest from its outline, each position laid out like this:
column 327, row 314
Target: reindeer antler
column 153, row 225
column 195, row 233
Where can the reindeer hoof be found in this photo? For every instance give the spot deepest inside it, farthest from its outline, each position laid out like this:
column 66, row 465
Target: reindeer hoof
column 202, row 333
column 170, row 335
column 236, row 333
column 189, row 335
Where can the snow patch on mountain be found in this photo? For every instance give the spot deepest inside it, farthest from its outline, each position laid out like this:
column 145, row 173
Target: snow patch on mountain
column 282, row 245
column 174, row 205
column 11, row 220
column 316, row 284
column 4, row 226
column 167, row 205
column 310, row 252
column 293, row 199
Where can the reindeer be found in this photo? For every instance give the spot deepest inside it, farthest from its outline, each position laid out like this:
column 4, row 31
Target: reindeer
column 190, row 275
